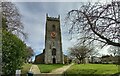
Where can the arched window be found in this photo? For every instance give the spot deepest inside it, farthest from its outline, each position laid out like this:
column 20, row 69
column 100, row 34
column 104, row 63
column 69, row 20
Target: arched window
column 53, row 27
column 53, row 52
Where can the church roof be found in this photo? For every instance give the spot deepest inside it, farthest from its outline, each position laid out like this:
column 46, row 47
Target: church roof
column 39, row 54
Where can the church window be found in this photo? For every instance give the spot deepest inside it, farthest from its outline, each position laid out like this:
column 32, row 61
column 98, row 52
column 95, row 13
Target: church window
column 53, row 51
column 53, row 43
column 53, row 27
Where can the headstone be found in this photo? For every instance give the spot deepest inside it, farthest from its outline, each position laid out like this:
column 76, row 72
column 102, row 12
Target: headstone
column 18, row 72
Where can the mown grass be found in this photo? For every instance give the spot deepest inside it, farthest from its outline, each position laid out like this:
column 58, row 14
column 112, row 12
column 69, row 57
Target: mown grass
column 47, row 68
column 25, row 68
column 92, row 70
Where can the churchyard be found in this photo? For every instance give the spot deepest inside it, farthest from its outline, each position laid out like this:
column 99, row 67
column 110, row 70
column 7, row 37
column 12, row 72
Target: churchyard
column 77, row 69
column 94, row 28
column 92, row 70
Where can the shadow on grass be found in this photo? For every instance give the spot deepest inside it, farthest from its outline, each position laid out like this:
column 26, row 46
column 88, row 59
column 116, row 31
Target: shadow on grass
column 89, row 75
column 116, row 74
column 88, row 72
column 119, row 68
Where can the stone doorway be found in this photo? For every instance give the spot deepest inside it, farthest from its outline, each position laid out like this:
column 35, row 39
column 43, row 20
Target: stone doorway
column 54, row 60
column 54, row 55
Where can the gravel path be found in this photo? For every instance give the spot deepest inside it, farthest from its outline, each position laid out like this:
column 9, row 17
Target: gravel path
column 56, row 72
column 61, row 70
column 34, row 69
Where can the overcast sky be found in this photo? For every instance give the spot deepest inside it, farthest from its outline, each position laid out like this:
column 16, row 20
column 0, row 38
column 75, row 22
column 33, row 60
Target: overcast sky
column 34, row 20
column 60, row 0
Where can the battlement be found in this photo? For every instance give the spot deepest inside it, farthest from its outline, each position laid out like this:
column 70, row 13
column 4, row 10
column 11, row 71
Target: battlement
column 53, row 18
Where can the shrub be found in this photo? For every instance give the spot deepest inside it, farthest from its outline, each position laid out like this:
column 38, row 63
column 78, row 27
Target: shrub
column 13, row 52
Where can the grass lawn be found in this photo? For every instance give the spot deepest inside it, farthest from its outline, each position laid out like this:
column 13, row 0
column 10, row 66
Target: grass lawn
column 46, row 68
column 92, row 69
column 25, row 68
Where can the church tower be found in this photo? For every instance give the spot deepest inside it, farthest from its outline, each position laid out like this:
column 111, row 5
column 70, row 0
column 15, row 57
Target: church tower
column 53, row 44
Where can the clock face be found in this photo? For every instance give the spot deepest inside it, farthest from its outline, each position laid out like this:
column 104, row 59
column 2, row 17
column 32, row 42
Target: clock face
column 53, row 34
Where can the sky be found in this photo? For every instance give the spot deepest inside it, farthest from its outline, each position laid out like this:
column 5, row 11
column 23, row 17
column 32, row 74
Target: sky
column 34, row 20
column 59, row 0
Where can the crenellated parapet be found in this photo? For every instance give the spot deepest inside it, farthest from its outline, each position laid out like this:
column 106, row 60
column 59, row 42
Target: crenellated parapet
column 53, row 18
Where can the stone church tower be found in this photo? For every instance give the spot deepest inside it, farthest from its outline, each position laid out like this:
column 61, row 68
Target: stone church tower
column 53, row 44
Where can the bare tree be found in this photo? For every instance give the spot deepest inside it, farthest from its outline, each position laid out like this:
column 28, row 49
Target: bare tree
column 113, row 50
column 30, row 53
column 13, row 18
column 81, row 52
column 95, row 23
